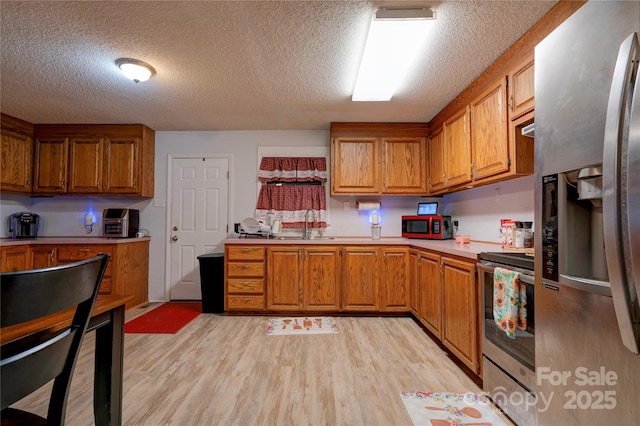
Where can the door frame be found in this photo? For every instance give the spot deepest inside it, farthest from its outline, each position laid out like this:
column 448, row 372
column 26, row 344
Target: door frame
column 167, row 223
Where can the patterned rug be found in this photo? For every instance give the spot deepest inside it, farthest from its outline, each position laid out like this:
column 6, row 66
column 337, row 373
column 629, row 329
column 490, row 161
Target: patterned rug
column 450, row 409
column 300, row 325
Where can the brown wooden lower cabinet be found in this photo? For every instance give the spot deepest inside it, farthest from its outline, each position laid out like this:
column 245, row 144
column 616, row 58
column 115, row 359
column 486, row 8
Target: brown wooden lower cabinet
column 126, row 274
column 44, row 256
column 430, row 284
column 15, row 258
column 360, row 279
column 394, row 282
column 459, row 311
column 244, row 272
column 303, row 279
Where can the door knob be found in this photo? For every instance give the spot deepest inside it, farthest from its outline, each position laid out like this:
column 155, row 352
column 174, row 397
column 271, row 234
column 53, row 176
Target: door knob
column 174, row 238
column 175, row 228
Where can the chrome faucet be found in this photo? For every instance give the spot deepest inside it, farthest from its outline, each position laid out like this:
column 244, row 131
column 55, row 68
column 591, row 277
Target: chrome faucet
column 307, row 231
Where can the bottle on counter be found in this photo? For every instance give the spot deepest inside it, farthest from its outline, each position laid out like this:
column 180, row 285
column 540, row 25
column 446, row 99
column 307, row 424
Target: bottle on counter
column 519, row 235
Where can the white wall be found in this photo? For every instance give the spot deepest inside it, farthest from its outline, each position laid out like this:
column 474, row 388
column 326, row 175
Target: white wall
column 478, row 210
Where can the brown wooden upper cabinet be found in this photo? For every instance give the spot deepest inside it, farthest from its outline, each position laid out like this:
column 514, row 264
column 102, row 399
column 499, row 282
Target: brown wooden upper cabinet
column 489, row 145
column 521, row 88
column 457, row 149
column 378, row 158
column 16, row 167
column 436, row 161
column 94, row 159
column 482, row 142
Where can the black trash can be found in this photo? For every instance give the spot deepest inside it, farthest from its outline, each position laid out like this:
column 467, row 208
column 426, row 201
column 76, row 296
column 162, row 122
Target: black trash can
column 212, row 282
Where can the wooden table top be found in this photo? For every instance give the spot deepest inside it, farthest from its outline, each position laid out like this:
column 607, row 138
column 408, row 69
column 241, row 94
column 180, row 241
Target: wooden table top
column 59, row 320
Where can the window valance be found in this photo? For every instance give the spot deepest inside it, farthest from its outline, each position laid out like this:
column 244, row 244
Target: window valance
column 293, row 169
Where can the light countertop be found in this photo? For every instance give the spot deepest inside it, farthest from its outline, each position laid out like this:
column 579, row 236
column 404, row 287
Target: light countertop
column 7, row 242
column 471, row 250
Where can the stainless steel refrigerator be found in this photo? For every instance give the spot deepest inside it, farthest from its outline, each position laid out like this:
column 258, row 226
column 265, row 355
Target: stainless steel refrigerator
column 587, row 210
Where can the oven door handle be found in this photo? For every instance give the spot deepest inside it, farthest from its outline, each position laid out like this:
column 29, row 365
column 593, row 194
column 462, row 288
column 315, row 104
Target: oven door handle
column 489, row 267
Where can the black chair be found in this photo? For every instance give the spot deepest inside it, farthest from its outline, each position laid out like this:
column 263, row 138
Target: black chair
column 30, row 362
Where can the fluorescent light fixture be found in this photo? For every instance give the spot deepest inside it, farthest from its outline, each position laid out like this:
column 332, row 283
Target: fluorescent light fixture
column 394, row 41
column 135, row 70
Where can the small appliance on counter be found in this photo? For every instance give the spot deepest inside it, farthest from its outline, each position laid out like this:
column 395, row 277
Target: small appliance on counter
column 120, row 223
column 427, row 224
column 24, row 225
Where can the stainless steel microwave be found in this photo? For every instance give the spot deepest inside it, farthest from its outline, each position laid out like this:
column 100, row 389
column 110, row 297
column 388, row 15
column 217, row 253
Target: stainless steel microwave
column 430, row 227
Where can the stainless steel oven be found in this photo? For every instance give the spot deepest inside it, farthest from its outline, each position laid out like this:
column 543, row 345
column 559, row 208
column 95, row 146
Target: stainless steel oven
column 508, row 364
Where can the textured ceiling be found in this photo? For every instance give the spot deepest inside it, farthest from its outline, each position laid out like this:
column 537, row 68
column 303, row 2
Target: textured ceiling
column 230, row 65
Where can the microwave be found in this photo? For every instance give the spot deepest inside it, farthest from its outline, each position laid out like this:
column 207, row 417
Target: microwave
column 120, row 223
column 430, row 227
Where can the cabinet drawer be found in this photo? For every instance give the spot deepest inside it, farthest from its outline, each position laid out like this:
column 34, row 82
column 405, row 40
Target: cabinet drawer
column 245, row 286
column 70, row 254
column 245, row 303
column 245, row 253
column 245, row 269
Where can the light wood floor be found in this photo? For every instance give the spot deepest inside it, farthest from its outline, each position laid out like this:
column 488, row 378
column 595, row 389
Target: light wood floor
column 223, row 370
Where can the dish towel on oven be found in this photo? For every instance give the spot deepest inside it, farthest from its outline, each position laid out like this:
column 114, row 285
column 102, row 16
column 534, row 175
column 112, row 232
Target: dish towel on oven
column 509, row 301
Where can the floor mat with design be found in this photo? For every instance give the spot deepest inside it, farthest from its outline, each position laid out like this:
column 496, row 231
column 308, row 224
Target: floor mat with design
column 300, row 325
column 450, row 409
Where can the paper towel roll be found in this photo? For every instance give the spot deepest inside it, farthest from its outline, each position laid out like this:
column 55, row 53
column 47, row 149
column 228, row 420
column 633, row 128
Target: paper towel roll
column 368, row 205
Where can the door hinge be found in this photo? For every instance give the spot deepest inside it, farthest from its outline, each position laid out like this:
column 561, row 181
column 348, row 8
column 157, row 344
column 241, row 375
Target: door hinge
column 509, row 161
column 478, row 365
column 227, row 231
column 227, row 174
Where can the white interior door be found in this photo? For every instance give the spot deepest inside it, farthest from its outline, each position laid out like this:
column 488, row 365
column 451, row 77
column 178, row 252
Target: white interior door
column 199, row 219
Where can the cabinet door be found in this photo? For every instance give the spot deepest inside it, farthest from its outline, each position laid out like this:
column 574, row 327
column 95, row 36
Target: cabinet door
column 460, row 302
column 436, row 162
column 394, row 279
column 521, row 88
column 354, row 165
column 414, row 298
column 360, row 279
column 489, row 132
column 429, row 281
column 16, row 168
column 16, row 258
column 73, row 253
column 122, row 165
column 44, row 256
column 51, row 165
column 321, row 280
column 457, row 144
column 283, row 278
column 85, row 165
column 404, row 165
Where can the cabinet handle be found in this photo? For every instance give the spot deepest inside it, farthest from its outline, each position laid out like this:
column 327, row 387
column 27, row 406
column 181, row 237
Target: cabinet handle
column 246, row 250
column 28, row 182
column 245, row 283
column 245, row 266
column 511, row 103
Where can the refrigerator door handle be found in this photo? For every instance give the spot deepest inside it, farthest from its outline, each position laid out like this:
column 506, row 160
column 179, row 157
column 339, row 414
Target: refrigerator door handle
column 586, row 284
column 614, row 134
column 633, row 177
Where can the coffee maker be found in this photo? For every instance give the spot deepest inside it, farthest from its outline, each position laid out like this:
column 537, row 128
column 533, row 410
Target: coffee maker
column 24, row 225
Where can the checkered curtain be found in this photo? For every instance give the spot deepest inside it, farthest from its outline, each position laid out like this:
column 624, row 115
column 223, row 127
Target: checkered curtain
column 293, row 169
column 289, row 203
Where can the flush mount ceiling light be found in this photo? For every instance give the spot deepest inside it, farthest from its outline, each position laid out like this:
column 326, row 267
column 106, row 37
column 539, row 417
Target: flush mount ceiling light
column 394, row 41
column 135, row 70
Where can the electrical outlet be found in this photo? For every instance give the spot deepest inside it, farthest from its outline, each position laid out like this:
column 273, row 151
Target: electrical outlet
column 159, row 202
column 346, row 206
column 455, row 223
